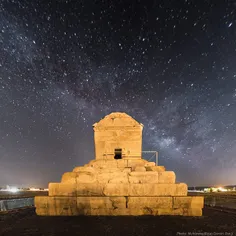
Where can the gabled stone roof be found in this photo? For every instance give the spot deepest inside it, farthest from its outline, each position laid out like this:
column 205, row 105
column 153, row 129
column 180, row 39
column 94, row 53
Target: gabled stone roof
column 117, row 119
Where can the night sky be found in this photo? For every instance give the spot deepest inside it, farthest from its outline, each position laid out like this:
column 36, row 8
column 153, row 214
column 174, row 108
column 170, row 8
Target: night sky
column 64, row 65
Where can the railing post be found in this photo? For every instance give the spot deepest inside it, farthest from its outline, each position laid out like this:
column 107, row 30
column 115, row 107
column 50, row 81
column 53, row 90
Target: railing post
column 157, row 158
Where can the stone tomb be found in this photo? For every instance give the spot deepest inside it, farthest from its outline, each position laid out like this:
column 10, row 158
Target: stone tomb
column 118, row 181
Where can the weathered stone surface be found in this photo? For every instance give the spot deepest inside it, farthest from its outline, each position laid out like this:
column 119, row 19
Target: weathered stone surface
column 88, row 169
column 97, row 163
column 135, row 162
column 118, row 130
column 62, row 189
column 131, row 212
column 90, row 189
column 181, row 189
column 41, row 201
column 101, row 202
column 140, row 169
column 148, row 164
column 86, row 177
column 166, row 177
column 106, row 177
column 168, row 211
column 143, row 177
column 110, row 170
column 145, row 190
column 157, row 190
column 150, row 202
column 56, row 206
column 192, row 211
column 127, row 170
column 155, row 168
column 119, row 180
column 64, row 206
column 110, row 164
column 136, row 180
column 41, row 211
column 143, row 173
column 69, row 177
column 111, row 212
column 116, row 190
column 188, row 202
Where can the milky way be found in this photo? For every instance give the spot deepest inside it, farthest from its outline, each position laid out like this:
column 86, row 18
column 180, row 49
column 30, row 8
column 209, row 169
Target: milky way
column 64, row 65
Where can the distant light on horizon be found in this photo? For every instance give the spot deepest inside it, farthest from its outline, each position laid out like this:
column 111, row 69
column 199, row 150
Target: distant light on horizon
column 13, row 190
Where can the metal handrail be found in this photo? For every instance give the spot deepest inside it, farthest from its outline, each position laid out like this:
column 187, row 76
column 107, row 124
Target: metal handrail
column 155, row 153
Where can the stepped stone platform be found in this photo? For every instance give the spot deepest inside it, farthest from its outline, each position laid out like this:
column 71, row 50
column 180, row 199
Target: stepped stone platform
column 118, row 181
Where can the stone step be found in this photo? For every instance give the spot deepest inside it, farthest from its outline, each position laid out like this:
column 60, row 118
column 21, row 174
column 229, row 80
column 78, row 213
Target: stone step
column 118, row 206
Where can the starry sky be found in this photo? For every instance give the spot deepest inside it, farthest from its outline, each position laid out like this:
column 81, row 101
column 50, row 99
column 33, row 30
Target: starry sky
column 64, row 65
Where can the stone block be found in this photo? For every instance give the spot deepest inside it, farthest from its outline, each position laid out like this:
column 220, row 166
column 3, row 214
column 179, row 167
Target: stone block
column 155, row 168
column 143, row 173
column 110, row 164
column 192, row 211
column 131, row 212
column 151, row 190
column 122, row 163
column 41, row 211
column 148, row 164
column 86, row 177
column 62, row 189
column 188, row 202
column 136, row 179
column 166, row 177
column 116, row 189
column 41, row 201
column 69, row 177
column 119, row 180
column 109, row 170
column 145, row 190
column 84, row 169
column 158, row 190
column 90, row 189
column 149, row 202
column 181, row 189
column 62, row 206
column 143, row 177
column 140, row 169
column 169, row 211
column 106, row 177
column 96, row 163
column 112, row 212
column 135, row 162
column 127, row 170
column 100, row 202
column 57, row 206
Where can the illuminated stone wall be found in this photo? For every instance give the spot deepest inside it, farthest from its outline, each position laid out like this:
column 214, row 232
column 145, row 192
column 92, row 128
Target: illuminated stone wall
column 129, row 185
column 118, row 131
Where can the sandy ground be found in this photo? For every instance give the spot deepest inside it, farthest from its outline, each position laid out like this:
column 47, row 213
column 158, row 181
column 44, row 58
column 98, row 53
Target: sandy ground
column 26, row 222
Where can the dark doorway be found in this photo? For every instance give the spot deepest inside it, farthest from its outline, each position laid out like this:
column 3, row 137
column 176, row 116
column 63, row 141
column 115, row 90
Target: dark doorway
column 118, row 153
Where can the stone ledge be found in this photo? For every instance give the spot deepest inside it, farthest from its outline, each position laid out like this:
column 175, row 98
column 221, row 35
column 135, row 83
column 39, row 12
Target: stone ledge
column 61, row 206
column 62, row 189
column 149, row 202
column 155, row 168
column 166, row 177
column 143, row 177
column 69, row 177
column 71, row 206
column 145, row 190
column 101, row 202
column 188, row 202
